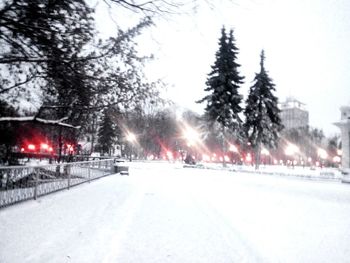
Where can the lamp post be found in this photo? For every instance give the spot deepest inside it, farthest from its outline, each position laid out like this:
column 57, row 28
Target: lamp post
column 234, row 153
column 266, row 154
column 131, row 138
column 192, row 137
column 291, row 151
column 322, row 155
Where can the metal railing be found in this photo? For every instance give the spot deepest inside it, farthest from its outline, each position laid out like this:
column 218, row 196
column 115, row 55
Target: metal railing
column 20, row 183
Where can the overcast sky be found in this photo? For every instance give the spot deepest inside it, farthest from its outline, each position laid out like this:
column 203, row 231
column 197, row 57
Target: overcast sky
column 306, row 43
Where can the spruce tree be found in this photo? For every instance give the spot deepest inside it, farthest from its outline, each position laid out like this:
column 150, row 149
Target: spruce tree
column 263, row 122
column 106, row 133
column 224, row 80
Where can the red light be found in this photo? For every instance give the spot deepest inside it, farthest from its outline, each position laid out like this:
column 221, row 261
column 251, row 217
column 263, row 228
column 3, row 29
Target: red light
column 22, row 149
column 50, row 149
column 31, row 147
column 248, row 158
column 44, row 146
column 169, row 155
column 70, row 148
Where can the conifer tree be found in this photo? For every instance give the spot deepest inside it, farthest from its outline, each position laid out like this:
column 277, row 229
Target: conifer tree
column 106, row 133
column 263, row 122
column 223, row 102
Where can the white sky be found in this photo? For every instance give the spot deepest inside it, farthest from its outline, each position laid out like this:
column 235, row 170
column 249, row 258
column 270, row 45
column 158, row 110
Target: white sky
column 306, row 42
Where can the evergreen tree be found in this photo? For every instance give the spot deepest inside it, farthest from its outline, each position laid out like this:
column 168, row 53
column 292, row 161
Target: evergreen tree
column 106, row 133
column 263, row 121
column 223, row 102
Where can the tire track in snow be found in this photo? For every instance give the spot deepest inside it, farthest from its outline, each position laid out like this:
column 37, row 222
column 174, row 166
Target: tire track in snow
column 127, row 212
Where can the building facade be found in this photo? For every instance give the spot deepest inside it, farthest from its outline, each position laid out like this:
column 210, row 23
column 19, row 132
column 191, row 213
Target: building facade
column 294, row 114
column 344, row 125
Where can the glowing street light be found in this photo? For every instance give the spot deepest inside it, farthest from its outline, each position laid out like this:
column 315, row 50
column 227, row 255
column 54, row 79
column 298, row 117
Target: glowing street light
column 191, row 136
column 227, row 159
column 131, row 138
column 44, row 146
column 31, row 147
column 336, row 159
column 291, row 149
column 169, row 155
column 264, row 151
column 248, row 158
column 233, row 148
column 205, row 157
column 322, row 153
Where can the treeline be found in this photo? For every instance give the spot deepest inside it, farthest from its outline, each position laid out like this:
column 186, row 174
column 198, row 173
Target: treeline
column 159, row 130
column 57, row 76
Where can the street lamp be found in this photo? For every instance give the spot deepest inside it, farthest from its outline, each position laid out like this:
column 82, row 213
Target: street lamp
column 322, row 153
column 191, row 136
column 233, row 148
column 264, row 152
column 291, row 149
column 131, row 138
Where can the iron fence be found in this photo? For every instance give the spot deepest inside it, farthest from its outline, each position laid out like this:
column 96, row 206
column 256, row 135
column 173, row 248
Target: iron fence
column 19, row 183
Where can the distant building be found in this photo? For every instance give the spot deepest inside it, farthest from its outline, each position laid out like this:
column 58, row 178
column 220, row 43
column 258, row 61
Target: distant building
column 344, row 125
column 294, row 114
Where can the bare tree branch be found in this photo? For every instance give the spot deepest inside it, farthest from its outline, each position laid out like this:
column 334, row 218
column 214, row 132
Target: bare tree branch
column 39, row 120
column 151, row 7
column 28, row 79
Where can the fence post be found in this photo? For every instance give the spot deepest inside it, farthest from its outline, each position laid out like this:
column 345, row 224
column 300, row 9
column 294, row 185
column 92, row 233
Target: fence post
column 89, row 172
column 67, row 171
column 36, row 182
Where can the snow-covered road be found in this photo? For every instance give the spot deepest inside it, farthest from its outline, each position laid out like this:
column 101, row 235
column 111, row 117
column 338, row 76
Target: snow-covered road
column 166, row 213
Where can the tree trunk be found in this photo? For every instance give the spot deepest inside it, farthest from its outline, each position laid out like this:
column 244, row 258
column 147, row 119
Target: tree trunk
column 60, row 146
column 223, row 147
column 257, row 155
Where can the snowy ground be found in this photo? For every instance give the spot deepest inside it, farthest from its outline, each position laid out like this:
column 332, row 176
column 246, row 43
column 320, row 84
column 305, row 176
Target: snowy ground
column 166, row 213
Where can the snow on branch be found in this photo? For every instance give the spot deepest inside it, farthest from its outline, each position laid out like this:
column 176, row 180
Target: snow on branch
column 39, row 120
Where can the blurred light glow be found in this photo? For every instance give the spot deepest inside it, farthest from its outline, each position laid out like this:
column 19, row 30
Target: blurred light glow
column 191, row 135
column 264, row 151
column 169, row 154
column 31, row 147
column 70, row 147
column 248, row 158
column 131, row 137
column 322, row 153
column 205, row 157
column 233, row 148
column 44, row 146
column 336, row 159
column 291, row 149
